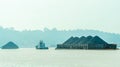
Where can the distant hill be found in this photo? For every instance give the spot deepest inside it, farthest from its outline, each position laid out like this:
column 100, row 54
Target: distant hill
column 50, row 37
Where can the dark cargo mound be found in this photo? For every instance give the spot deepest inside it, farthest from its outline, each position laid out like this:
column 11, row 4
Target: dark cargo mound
column 88, row 42
column 10, row 45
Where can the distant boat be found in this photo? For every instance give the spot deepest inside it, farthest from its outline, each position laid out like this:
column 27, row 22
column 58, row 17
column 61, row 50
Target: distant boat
column 88, row 42
column 10, row 45
column 41, row 45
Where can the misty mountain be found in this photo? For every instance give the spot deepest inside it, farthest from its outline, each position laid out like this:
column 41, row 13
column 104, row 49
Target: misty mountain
column 28, row 38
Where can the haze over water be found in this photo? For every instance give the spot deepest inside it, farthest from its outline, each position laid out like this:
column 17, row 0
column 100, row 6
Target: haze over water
column 61, row 14
column 29, row 57
column 27, row 15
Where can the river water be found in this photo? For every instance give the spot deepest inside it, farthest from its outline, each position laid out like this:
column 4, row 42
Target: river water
column 29, row 57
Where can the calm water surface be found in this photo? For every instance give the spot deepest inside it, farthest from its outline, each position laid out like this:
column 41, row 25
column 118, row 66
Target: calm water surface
column 29, row 57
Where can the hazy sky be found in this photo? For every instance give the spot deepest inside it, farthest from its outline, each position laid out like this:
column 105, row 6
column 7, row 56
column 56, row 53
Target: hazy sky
column 63, row 14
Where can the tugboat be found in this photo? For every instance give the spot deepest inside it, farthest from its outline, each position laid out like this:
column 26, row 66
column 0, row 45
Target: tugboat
column 41, row 45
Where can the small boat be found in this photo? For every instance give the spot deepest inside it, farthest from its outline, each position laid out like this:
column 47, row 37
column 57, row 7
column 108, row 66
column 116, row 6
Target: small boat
column 41, row 45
